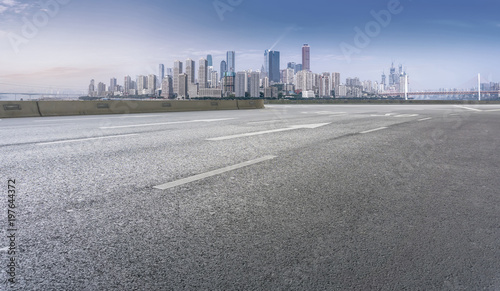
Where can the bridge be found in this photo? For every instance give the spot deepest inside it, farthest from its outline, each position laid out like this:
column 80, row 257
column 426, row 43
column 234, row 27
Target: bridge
column 439, row 93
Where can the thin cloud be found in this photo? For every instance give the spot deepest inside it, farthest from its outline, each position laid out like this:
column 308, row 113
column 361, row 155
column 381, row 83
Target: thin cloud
column 3, row 9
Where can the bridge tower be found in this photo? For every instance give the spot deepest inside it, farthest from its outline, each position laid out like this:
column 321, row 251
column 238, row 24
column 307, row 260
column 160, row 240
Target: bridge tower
column 479, row 86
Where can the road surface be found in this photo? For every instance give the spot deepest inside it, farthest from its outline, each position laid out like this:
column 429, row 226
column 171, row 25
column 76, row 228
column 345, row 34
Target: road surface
column 297, row 197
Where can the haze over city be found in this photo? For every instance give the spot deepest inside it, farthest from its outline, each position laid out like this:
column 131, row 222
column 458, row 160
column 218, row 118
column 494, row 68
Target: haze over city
column 63, row 44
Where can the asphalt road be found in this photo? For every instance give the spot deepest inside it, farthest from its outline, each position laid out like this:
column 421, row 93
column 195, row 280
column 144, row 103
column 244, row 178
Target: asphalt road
column 299, row 197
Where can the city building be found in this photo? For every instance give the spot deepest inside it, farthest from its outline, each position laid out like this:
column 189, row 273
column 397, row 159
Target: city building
column 127, row 85
column 209, row 61
column 167, row 86
column 183, row 86
column 203, row 74
column 254, row 88
column 223, row 68
column 161, row 74
column 231, row 62
column 92, row 88
column 306, row 57
column 113, row 86
column 239, row 84
column 177, row 72
column 274, row 66
column 151, row 84
column 190, row 70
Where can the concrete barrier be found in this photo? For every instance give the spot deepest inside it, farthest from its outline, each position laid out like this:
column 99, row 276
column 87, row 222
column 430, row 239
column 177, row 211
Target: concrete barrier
column 64, row 108
column 18, row 109
column 251, row 104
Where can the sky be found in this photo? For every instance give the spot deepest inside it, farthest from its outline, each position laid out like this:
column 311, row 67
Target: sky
column 63, row 44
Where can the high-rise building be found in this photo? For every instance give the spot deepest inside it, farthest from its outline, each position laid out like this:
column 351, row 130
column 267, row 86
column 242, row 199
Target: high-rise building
column 336, row 83
column 183, row 85
column 92, row 88
column 190, row 69
column 142, row 85
column 112, row 84
column 223, row 69
column 161, row 74
column 231, row 62
column 127, row 85
column 209, row 60
column 265, row 68
column 101, row 89
column 298, row 68
column 290, row 74
column 177, row 72
column 167, row 86
column 291, row 65
column 274, row 66
column 152, row 84
column 203, row 74
column 214, row 83
column 306, row 57
column 239, row 84
column 254, row 88
column 170, row 72
column 228, row 85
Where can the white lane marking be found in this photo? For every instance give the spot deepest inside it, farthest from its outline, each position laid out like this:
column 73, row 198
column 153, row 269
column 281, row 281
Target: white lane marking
column 406, row 115
column 293, row 127
column 468, row 108
column 4, row 249
column 95, row 118
column 489, row 110
column 212, row 173
column 164, row 123
column 84, row 139
column 266, row 121
column 424, row 119
column 388, row 114
column 372, row 130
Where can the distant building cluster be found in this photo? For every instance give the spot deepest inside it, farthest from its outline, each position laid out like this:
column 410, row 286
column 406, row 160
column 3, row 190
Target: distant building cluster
column 185, row 80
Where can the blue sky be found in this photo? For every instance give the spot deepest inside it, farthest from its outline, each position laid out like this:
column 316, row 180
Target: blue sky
column 440, row 43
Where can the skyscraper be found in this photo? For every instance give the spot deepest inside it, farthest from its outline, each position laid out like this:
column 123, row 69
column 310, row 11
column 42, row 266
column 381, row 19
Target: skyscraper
column 274, row 66
column 239, row 84
column 306, row 57
column 265, row 70
column 223, row 69
column 190, row 67
column 183, row 85
column 167, row 87
column 209, row 60
column 161, row 74
column 127, row 85
column 92, row 88
column 177, row 72
column 203, row 74
column 254, row 87
column 112, row 84
column 152, row 84
column 231, row 59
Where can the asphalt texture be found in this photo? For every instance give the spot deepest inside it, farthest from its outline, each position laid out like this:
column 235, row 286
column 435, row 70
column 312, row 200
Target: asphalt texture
column 350, row 197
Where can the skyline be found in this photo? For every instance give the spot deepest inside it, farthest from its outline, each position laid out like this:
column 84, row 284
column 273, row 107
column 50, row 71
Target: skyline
column 441, row 45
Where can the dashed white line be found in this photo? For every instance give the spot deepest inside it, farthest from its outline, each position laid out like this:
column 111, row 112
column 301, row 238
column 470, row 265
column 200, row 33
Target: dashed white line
column 468, row 108
column 424, row 119
column 84, row 139
column 212, row 173
column 372, row 130
column 293, row 127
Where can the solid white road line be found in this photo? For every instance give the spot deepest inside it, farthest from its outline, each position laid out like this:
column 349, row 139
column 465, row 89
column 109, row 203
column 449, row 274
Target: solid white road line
column 293, row 127
column 164, row 123
column 212, row 173
column 372, row 130
column 468, row 108
column 424, row 119
column 84, row 139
